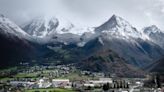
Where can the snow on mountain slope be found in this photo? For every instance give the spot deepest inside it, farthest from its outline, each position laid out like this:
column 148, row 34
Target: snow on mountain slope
column 137, row 47
column 115, row 27
column 8, row 27
column 66, row 27
column 152, row 29
column 16, row 45
column 45, row 26
column 77, row 31
column 130, row 43
column 155, row 34
column 119, row 28
column 41, row 27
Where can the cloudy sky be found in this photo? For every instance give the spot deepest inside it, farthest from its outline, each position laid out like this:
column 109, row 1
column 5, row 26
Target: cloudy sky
column 91, row 13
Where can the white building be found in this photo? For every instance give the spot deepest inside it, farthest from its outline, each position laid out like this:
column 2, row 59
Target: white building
column 102, row 81
column 44, row 83
column 89, row 85
column 106, row 80
column 61, row 83
column 99, row 82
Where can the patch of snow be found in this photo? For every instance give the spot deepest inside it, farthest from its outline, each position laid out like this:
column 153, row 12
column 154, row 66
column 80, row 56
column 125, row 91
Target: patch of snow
column 10, row 27
column 100, row 40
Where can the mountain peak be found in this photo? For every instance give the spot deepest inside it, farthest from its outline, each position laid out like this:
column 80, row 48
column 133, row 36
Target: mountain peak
column 115, row 17
column 114, row 22
column 155, row 34
column 117, row 26
column 41, row 26
column 153, row 26
column 119, row 21
column 10, row 28
column 152, row 29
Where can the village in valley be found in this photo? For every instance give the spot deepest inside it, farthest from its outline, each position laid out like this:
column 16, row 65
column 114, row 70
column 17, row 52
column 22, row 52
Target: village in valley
column 68, row 78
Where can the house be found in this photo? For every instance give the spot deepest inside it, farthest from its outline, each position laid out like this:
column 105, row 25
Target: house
column 65, row 83
column 89, row 85
column 100, row 82
column 106, row 80
column 44, row 83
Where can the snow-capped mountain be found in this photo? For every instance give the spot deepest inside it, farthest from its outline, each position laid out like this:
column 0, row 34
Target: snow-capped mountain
column 115, row 27
column 155, row 34
column 119, row 28
column 46, row 26
column 10, row 28
column 41, row 26
column 136, row 47
column 120, row 36
column 55, row 29
column 15, row 43
column 116, row 34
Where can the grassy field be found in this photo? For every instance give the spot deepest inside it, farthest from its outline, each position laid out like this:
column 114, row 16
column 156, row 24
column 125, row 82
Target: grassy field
column 51, row 90
column 71, row 76
column 23, row 75
column 75, row 76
